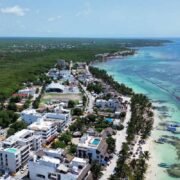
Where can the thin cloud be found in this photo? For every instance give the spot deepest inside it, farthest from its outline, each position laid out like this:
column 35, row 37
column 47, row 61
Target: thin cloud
column 87, row 10
column 14, row 10
column 51, row 19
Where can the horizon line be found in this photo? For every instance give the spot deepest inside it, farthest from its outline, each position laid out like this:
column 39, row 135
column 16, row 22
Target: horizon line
column 108, row 37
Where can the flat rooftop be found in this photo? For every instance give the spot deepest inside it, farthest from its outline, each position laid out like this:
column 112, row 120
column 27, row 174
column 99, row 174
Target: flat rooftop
column 41, row 125
column 89, row 141
column 45, row 160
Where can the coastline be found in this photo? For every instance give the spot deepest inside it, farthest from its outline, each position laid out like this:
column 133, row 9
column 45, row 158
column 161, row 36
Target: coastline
column 153, row 169
column 106, row 57
column 152, row 162
column 135, row 137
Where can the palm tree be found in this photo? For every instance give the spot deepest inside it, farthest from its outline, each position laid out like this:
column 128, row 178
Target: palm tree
column 96, row 170
column 146, row 155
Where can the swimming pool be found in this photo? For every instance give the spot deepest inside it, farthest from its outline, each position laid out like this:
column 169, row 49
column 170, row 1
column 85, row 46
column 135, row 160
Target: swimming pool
column 11, row 150
column 96, row 141
column 109, row 120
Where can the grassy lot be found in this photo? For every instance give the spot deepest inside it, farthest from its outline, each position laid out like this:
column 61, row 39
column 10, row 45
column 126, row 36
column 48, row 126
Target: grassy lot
column 47, row 97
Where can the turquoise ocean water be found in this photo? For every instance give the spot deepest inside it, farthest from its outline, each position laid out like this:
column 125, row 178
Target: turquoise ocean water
column 154, row 71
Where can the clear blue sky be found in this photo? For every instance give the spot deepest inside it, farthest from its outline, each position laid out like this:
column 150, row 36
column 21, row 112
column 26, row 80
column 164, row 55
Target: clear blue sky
column 90, row 18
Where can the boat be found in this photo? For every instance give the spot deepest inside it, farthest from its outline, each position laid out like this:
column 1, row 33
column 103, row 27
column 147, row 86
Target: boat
column 164, row 165
column 161, row 140
column 171, row 129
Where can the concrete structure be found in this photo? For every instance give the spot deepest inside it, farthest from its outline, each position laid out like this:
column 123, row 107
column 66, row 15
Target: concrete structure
column 47, row 130
column 15, row 150
column 94, row 148
column 60, row 116
column 111, row 103
column 53, row 73
column 62, row 64
column 55, row 87
column 65, row 75
column 61, row 119
column 85, row 78
column 28, row 91
column 30, row 115
column 52, row 164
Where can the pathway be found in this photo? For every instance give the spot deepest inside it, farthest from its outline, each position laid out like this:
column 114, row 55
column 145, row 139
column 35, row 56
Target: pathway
column 120, row 138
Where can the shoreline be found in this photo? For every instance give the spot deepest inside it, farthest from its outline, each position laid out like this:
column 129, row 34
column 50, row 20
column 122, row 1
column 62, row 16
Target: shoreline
column 153, row 160
column 148, row 140
column 131, row 52
column 153, row 169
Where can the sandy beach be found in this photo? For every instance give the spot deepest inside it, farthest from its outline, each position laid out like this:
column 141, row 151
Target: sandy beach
column 153, row 169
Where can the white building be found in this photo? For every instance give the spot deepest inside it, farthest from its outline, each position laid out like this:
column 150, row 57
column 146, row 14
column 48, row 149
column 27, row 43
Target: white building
column 85, row 78
column 60, row 116
column 47, row 130
column 61, row 119
column 30, row 116
column 66, row 75
column 15, row 150
column 53, row 73
column 111, row 103
column 29, row 91
column 55, row 87
column 94, row 148
column 45, row 165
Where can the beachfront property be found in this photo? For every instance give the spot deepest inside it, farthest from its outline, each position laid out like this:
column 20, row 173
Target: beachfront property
column 15, row 150
column 54, row 164
column 93, row 148
column 46, row 129
column 111, row 103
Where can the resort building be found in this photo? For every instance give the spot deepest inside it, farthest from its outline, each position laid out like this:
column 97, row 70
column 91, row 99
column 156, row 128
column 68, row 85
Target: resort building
column 94, row 148
column 15, row 150
column 47, row 130
column 30, row 116
column 111, row 103
column 53, row 164
column 61, row 119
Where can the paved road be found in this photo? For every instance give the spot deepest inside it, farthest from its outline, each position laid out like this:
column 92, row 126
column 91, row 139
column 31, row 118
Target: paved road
column 120, row 138
column 91, row 100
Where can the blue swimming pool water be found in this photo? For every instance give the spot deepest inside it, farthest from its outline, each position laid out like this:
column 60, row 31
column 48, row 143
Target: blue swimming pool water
column 109, row 120
column 96, row 141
